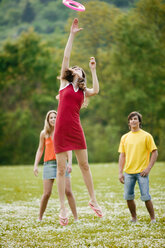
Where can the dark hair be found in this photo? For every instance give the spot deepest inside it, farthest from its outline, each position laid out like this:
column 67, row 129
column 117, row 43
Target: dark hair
column 68, row 75
column 132, row 114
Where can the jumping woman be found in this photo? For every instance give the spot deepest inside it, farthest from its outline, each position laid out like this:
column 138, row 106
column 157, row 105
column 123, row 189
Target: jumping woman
column 68, row 133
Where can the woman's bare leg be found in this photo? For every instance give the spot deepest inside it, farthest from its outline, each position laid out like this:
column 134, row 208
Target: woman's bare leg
column 82, row 158
column 47, row 188
column 61, row 168
column 70, row 197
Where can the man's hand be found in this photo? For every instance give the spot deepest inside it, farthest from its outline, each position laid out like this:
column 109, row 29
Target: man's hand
column 121, row 178
column 145, row 172
column 153, row 158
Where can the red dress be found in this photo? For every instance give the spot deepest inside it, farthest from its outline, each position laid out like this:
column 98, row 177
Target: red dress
column 68, row 133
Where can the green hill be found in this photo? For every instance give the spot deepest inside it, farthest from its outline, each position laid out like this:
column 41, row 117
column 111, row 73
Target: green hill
column 47, row 17
column 129, row 48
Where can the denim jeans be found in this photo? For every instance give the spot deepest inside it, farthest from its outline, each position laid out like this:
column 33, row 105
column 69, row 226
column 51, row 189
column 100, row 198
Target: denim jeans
column 129, row 185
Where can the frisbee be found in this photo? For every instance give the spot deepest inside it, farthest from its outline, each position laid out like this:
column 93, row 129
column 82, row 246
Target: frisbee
column 73, row 5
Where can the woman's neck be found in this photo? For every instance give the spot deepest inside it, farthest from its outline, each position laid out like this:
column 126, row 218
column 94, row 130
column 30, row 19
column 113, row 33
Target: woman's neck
column 52, row 131
column 75, row 84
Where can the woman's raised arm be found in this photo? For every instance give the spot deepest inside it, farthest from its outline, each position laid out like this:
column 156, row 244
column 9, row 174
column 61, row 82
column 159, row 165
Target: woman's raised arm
column 65, row 63
column 95, row 89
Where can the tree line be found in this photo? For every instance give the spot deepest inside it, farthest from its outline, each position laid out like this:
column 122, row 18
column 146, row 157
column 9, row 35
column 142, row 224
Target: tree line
column 130, row 53
column 48, row 17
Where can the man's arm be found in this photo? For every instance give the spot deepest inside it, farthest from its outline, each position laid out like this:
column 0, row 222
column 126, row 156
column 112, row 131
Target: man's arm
column 153, row 159
column 121, row 166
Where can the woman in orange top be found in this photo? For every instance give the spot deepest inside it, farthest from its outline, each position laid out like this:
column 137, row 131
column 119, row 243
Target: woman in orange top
column 50, row 166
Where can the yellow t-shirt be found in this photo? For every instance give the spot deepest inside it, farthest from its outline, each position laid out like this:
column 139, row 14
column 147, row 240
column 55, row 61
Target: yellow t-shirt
column 137, row 147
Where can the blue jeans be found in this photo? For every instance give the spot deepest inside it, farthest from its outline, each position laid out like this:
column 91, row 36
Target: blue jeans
column 129, row 185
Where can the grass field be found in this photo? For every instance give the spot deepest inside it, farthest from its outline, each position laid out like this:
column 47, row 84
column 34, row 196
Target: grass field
column 20, row 194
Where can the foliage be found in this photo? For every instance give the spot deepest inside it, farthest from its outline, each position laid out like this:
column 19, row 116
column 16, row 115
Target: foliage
column 130, row 53
column 46, row 16
column 20, row 198
column 28, row 88
column 28, row 13
column 131, row 71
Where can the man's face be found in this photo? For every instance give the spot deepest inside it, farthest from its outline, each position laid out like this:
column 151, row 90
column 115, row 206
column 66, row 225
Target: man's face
column 134, row 122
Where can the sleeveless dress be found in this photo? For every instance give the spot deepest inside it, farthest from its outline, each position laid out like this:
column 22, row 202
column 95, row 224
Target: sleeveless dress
column 68, row 133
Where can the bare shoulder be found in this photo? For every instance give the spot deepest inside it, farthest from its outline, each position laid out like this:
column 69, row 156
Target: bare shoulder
column 42, row 134
column 63, row 83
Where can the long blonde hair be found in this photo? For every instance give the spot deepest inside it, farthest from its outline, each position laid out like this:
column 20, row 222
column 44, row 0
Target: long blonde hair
column 47, row 128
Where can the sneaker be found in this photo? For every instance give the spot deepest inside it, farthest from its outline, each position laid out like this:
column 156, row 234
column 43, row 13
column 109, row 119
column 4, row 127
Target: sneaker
column 153, row 221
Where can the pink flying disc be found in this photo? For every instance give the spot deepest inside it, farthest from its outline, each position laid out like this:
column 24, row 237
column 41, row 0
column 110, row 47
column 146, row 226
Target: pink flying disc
column 74, row 5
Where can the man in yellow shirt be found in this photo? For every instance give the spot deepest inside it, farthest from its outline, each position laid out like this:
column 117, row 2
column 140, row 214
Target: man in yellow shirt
column 135, row 149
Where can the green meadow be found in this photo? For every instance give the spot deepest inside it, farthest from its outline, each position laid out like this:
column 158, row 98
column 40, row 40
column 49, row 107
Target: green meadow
column 20, row 194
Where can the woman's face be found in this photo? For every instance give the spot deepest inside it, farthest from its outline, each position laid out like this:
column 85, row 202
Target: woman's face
column 52, row 119
column 77, row 71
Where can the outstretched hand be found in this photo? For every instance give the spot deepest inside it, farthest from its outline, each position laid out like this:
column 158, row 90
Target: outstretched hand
column 74, row 27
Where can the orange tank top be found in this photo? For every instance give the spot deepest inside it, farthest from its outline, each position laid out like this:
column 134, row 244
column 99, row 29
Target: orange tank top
column 49, row 150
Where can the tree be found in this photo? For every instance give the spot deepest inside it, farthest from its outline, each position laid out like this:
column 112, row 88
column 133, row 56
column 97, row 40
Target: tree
column 130, row 59
column 130, row 54
column 28, row 83
column 28, row 13
column 136, row 69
